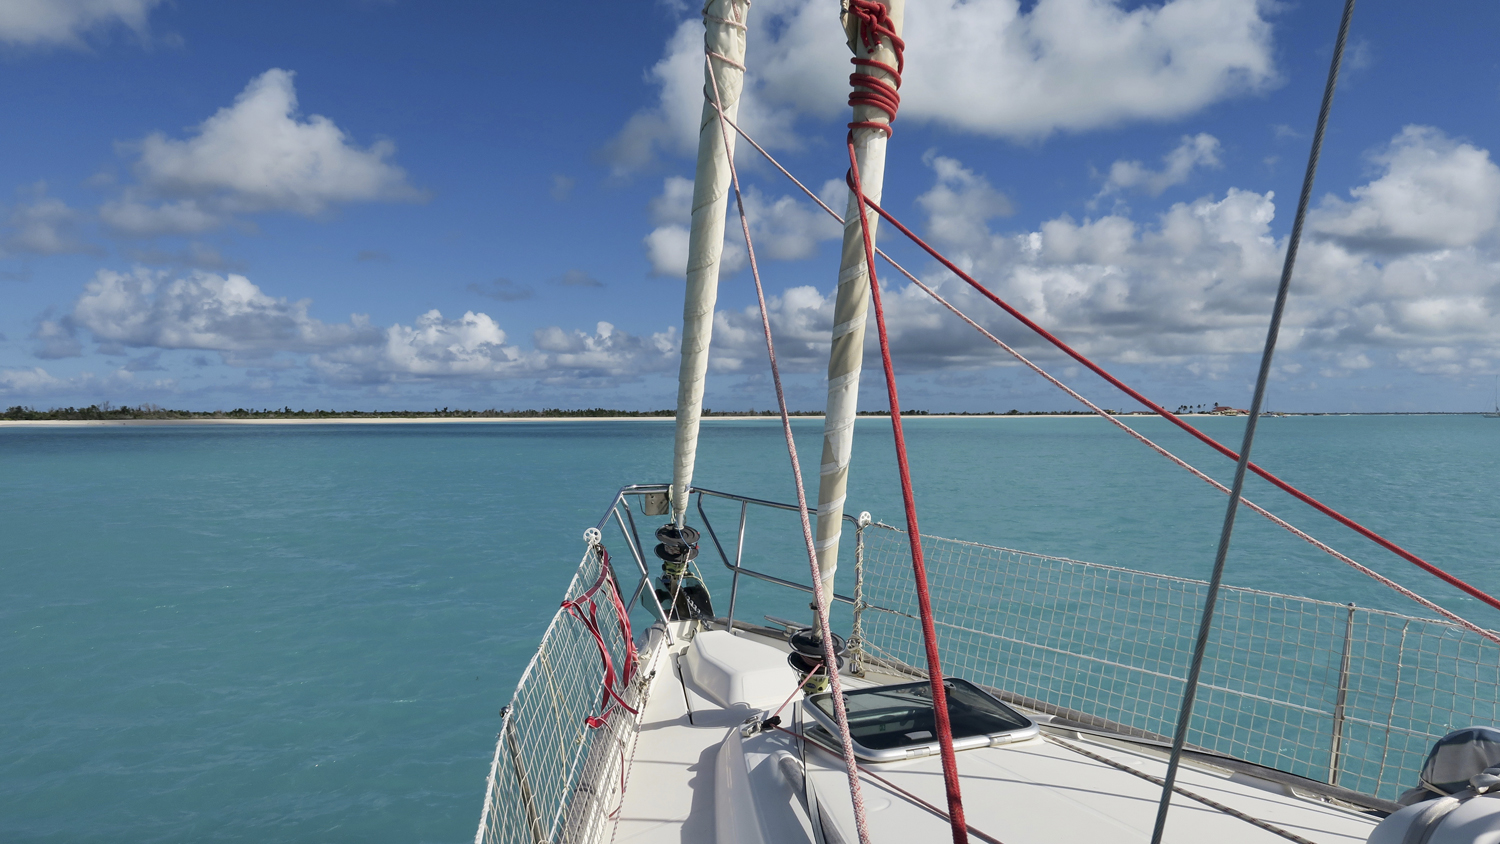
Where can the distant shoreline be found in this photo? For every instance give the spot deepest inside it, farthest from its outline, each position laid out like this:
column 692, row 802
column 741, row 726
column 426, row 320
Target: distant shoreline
column 429, row 420
column 460, row 420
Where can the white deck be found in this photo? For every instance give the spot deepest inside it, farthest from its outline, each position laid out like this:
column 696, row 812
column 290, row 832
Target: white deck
column 1027, row 793
column 1039, row 791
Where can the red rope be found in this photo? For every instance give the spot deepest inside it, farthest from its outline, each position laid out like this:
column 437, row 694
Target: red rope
column 613, row 684
column 874, row 24
column 1303, row 535
column 1179, row 422
column 869, row 90
column 919, row 567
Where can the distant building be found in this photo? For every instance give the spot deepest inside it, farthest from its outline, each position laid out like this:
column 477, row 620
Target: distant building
column 1222, row 410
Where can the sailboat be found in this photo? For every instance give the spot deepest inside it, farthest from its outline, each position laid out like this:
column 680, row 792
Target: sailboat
column 981, row 693
column 1496, row 414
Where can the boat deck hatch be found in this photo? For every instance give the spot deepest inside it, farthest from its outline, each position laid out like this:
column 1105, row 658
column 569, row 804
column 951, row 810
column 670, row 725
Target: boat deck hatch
column 887, row 723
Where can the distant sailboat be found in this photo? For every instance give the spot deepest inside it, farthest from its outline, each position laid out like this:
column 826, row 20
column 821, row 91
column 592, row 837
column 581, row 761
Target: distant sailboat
column 1496, row 414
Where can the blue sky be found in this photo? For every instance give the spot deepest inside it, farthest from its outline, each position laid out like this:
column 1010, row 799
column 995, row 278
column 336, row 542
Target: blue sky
column 371, row 205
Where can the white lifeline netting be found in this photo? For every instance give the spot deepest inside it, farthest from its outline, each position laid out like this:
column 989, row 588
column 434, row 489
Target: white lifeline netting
column 552, row 777
column 1111, row 646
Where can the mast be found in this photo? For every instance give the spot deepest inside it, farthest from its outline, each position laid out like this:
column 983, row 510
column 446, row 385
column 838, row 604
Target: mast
column 845, row 358
column 724, row 40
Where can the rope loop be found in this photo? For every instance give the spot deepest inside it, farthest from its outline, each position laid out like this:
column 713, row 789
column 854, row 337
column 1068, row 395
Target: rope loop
column 874, row 22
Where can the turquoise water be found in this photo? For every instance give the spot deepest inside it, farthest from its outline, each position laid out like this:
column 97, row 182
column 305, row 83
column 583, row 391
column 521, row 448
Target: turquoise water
column 305, row 633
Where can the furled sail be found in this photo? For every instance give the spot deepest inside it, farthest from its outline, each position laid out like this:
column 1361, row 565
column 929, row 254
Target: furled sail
column 852, row 301
column 724, row 39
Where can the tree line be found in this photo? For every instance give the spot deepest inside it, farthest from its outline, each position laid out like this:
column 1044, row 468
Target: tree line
column 109, row 412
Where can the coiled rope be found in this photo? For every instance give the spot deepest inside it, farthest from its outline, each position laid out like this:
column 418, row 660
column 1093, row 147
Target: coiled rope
column 869, row 89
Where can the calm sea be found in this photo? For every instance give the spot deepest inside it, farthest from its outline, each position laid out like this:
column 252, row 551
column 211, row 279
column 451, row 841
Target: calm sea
column 304, row 633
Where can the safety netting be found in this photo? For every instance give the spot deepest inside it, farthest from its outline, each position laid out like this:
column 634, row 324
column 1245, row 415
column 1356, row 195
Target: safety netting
column 554, row 777
column 1337, row 693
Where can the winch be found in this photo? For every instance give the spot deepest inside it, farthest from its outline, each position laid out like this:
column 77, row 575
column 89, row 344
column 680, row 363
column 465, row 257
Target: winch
column 681, row 593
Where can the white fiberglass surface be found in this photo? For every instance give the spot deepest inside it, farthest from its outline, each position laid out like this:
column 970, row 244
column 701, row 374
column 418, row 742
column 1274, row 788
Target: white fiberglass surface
column 1033, row 791
column 1037, row 791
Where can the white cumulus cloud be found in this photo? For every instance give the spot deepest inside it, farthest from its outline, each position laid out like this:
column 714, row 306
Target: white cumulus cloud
column 672, row 124
column 472, row 346
column 1198, row 280
column 607, row 351
column 667, row 250
column 38, row 382
column 784, row 228
column 1072, row 65
column 801, row 323
column 988, row 67
column 1433, row 193
column 436, row 346
column 667, row 244
column 201, row 310
column 1201, row 150
column 961, row 201
column 43, row 225
column 229, row 314
column 35, row 23
column 1193, row 286
column 255, row 155
column 21, row 381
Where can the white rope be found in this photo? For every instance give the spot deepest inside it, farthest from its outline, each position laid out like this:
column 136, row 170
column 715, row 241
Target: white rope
column 1278, row 521
column 725, row 21
column 727, row 60
column 830, row 659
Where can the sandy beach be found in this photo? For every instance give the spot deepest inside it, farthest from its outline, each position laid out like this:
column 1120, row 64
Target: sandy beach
column 491, row 420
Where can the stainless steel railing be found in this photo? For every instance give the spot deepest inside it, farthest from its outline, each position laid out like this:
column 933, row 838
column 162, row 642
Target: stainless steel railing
column 1342, row 695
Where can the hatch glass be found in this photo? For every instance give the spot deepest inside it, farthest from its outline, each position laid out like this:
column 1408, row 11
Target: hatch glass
column 897, row 722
